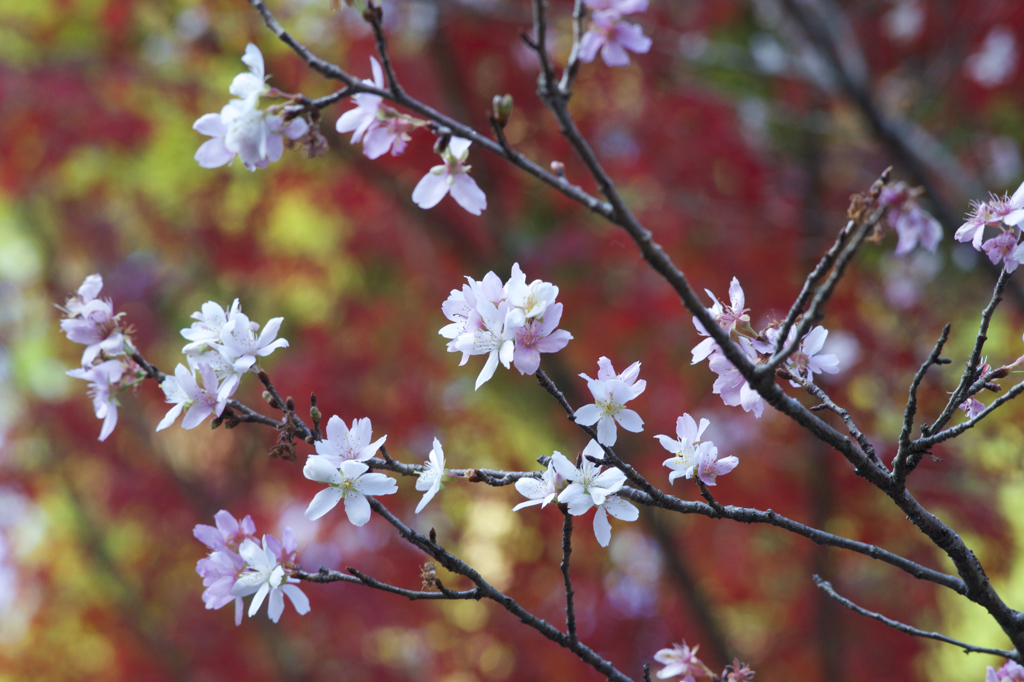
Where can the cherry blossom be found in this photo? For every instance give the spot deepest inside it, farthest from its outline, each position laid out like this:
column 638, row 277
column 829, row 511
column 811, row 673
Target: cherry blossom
column 610, row 396
column 267, row 577
column 254, row 83
column 913, row 224
column 972, row 407
column 730, row 384
column 495, row 337
column 351, row 484
column 344, row 444
column 183, row 391
column 359, row 120
column 390, row 134
column 539, row 335
column 617, row 507
column 589, row 486
column 1004, row 247
column 730, row 318
column 806, row 362
column 228, row 533
column 87, row 292
column 1010, row 672
column 611, row 35
column 533, row 298
column 239, row 344
column 680, row 661
column 241, row 130
column 430, row 477
column 102, row 379
column 219, row 572
column 541, row 490
column 709, row 467
column 1009, row 210
column 685, row 449
column 95, row 325
column 451, row 176
column 205, row 331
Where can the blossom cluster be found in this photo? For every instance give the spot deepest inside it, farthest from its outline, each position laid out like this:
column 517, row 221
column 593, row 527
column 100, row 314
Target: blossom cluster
column 1010, row 672
column 589, row 487
column 512, row 322
column 610, row 34
column 238, row 566
column 243, row 130
column 1005, row 214
column 691, row 457
column 106, row 362
column 758, row 346
column 222, row 346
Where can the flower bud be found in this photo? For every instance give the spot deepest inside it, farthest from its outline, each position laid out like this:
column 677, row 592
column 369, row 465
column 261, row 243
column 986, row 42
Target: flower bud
column 558, row 168
column 314, row 413
column 501, row 109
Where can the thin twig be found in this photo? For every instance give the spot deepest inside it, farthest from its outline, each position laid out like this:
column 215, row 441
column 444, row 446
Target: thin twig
column 828, row 404
column 900, row 468
column 373, row 15
column 456, row 565
column 971, row 370
column 827, row 588
column 922, row 444
column 706, row 494
column 570, row 609
column 572, row 67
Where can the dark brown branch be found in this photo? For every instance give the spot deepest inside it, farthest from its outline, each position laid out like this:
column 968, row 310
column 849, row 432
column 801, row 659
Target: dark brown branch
column 827, row 588
column 570, row 609
column 357, row 578
column 900, row 468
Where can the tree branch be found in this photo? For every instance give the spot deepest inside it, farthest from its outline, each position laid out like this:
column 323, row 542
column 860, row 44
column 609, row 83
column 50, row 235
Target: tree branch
column 570, row 609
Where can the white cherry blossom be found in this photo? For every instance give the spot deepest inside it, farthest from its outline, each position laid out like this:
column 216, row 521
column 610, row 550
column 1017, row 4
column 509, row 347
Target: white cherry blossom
column 610, row 397
column 430, row 477
column 451, row 176
column 351, row 484
column 617, row 507
column 589, row 486
column 267, row 577
column 343, row 443
column 102, row 379
column 541, row 490
column 685, row 448
column 183, row 391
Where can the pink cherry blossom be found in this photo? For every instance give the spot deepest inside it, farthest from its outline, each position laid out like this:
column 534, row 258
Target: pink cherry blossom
column 390, row 134
column 243, row 131
column 734, row 389
column 680, row 661
column 613, row 37
column 228, row 533
column 539, row 335
column 709, row 467
column 87, row 292
column 913, row 224
column 806, row 362
column 102, row 378
column 1004, row 247
column 452, row 176
column 183, row 391
column 729, row 318
column 1010, row 672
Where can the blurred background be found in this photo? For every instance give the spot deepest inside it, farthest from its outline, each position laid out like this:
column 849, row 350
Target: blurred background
column 737, row 140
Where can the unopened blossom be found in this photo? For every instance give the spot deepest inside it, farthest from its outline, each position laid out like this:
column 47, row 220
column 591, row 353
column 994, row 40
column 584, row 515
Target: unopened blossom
column 241, row 130
column 240, row 345
column 102, row 378
column 730, row 318
column 611, row 35
column 228, row 534
column 617, row 507
column 539, row 335
column 589, row 486
column 96, row 326
column 806, row 361
column 451, row 176
column 1010, row 672
column 1004, row 247
column 495, row 337
column 680, row 661
column 351, row 484
column 430, row 477
column 265, row 576
column 709, row 467
column 541, row 490
column 209, row 322
column 343, row 443
column 730, row 384
column 684, row 448
column 183, row 392
column 610, row 397
column 359, row 120
column 249, row 86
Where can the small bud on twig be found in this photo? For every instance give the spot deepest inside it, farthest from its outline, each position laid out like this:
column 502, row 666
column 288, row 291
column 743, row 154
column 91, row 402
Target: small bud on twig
column 501, row 109
column 558, row 168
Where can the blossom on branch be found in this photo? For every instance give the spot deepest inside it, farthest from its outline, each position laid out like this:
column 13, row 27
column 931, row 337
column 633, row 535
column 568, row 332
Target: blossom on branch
column 430, row 477
column 265, row 576
column 730, row 384
column 359, row 120
column 685, row 449
column 183, row 391
column 351, row 483
column 451, row 176
column 610, row 397
column 912, row 223
column 709, row 467
column 344, row 444
column 617, row 507
column 680, row 661
column 541, row 490
column 91, row 321
column 732, row 318
column 103, row 379
column 589, row 486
